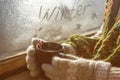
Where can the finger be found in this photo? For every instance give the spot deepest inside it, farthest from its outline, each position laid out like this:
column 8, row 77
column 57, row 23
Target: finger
column 60, row 63
column 68, row 56
column 34, row 41
column 34, row 73
column 68, row 49
column 49, row 76
column 72, row 57
column 30, row 60
column 31, row 50
column 53, row 77
column 32, row 67
column 49, row 70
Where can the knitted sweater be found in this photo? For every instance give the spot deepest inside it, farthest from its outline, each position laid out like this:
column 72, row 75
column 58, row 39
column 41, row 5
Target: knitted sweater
column 105, row 47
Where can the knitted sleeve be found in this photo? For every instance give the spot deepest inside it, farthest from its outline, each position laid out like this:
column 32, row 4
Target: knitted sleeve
column 83, row 45
column 112, row 8
column 114, row 57
column 114, row 73
column 109, row 43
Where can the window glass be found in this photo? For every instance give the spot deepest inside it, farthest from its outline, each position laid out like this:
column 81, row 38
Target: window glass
column 52, row 20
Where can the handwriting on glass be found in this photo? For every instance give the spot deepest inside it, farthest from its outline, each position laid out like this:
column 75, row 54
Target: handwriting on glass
column 62, row 12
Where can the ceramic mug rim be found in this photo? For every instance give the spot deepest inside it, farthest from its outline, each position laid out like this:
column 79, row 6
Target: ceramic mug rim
column 42, row 50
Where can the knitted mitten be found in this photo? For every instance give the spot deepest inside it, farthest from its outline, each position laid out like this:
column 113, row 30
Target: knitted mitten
column 32, row 64
column 74, row 68
column 68, row 49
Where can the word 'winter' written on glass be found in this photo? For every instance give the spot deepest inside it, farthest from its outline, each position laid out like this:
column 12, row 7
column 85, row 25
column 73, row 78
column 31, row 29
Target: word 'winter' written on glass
column 63, row 12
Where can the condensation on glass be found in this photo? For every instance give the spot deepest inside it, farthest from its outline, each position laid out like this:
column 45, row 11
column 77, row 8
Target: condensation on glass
column 53, row 20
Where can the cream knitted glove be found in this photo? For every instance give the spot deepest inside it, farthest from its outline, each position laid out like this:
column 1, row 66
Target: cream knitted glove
column 32, row 64
column 73, row 68
column 69, row 49
column 68, row 67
